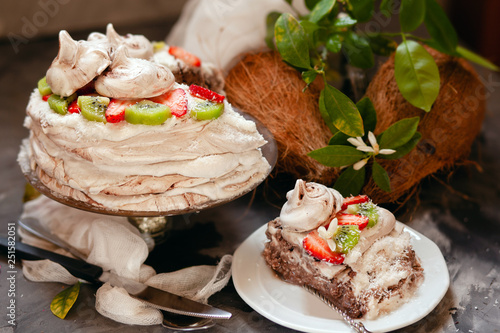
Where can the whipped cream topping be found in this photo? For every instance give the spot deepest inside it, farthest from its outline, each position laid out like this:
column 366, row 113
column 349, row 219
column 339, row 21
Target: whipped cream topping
column 131, row 78
column 308, row 206
column 137, row 46
column 77, row 63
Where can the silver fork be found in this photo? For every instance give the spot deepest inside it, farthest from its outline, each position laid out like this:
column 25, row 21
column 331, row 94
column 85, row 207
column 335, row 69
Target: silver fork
column 356, row 325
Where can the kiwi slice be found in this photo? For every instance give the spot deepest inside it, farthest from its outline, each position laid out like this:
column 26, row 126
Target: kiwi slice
column 346, row 237
column 367, row 209
column 60, row 104
column 206, row 110
column 147, row 113
column 93, row 107
column 43, row 87
column 158, row 46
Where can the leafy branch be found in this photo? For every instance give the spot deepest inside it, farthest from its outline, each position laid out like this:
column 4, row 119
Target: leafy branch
column 331, row 26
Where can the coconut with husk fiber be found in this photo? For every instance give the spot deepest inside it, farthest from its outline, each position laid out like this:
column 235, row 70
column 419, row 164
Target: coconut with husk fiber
column 270, row 90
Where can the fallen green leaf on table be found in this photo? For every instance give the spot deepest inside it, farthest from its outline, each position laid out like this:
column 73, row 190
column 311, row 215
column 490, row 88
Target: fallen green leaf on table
column 62, row 303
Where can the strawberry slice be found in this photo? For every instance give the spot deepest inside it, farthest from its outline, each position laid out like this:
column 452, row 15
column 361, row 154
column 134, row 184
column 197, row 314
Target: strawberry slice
column 185, row 56
column 355, row 200
column 319, row 249
column 46, row 97
column 350, row 219
column 73, row 107
column 116, row 110
column 175, row 99
column 205, row 93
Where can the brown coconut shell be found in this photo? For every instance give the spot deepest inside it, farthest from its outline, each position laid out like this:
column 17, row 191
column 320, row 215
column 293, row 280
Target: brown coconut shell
column 448, row 130
column 262, row 85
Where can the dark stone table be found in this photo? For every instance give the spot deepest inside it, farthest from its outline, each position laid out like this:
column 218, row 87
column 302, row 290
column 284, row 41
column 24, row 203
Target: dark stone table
column 459, row 212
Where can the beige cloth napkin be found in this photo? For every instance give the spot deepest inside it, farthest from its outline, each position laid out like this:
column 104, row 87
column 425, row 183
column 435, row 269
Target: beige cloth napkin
column 115, row 245
column 220, row 31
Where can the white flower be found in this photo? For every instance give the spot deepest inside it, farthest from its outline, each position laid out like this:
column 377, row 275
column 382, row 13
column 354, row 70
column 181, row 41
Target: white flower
column 374, row 149
column 359, row 164
column 327, row 234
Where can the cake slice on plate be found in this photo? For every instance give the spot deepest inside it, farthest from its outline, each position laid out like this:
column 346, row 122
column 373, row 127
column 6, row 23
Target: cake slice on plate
column 348, row 249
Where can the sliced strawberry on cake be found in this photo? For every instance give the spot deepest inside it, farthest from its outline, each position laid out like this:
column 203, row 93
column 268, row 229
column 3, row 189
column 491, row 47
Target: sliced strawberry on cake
column 116, row 110
column 318, row 247
column 352, row 219
column 354, row 200
column 205, row 93
column 187, row 57
column 175, row 99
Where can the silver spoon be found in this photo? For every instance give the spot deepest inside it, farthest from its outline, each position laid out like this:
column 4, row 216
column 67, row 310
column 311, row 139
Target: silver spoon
column 170, row 320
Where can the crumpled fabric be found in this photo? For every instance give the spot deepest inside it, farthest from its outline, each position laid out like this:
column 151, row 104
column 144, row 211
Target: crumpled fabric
column 221, row 31
column 112, row 243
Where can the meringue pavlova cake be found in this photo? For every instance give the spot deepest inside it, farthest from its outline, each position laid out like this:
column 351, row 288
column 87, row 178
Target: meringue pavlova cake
column 348, row 249
column 111, row 128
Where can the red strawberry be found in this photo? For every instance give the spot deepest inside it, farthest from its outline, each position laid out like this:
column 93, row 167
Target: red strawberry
column 73, row 107
column 319, row 249
column 185, row 56
column 350, row 219
column 206, row 94
column 355, row 200
column 175, row 99
column 116, row 110
column 46, row 97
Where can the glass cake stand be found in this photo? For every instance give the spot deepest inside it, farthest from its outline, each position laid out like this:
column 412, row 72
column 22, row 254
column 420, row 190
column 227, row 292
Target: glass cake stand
column 154, row 225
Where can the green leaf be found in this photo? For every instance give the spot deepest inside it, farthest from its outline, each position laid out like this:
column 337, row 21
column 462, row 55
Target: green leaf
column 334, row 43
column 368, row 113
column 417, row 74
column 386, row 7
column 310, row 3
column 437, row 46
column 350, row 181
column 342, row 111
column 324, row 113
column 291, row 41
column 62, row 303
column 321, row 9
column 380, row 177
column 270, row 22
column 404, row 149
column 358, row 50
column 309, row 76
column 411, row 14
column 381, row 45
column 337, row 156
column 362, row 10
column 309, row 27
column 398, row 133
column 339, row 138
column 344, row 22
column 439, row 27
column 476, row 58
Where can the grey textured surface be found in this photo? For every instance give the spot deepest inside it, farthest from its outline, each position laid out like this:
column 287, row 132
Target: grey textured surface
column 460, row 214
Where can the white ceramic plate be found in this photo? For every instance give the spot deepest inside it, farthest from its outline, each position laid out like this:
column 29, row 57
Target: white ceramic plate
column 293, row 307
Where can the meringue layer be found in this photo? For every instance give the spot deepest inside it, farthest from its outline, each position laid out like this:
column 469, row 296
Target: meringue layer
column 180, row 164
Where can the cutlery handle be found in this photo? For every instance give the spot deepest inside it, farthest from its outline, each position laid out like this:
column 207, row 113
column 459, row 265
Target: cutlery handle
column 76, row 267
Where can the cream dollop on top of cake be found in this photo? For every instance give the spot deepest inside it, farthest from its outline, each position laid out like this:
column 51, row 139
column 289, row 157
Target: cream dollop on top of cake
column 182, row 163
